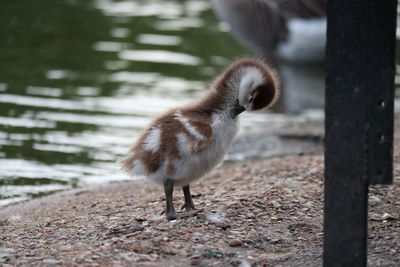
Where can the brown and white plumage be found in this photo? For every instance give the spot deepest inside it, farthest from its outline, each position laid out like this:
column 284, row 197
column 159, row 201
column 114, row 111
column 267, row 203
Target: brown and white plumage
column 293, row 30
column 183, row 144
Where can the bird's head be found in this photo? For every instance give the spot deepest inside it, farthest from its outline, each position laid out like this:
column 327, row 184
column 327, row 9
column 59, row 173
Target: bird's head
column 258, row 86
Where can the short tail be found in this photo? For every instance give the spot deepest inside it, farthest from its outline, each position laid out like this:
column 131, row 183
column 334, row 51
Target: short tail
column 127, row 164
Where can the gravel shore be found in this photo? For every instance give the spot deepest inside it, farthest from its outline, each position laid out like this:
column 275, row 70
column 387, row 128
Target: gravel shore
column 261, row 213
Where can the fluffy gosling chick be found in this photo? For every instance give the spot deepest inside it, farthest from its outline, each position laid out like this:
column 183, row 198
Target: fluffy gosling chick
column 186, row 142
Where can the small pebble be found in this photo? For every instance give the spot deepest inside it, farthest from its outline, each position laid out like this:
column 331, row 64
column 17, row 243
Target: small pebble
column 375, row 217
column 223, row 226
column 374, row 200
column 387, row 216
column 196, row 256
column 235, row 243
column 50, row 261
column 196, row 262
column 274, row 241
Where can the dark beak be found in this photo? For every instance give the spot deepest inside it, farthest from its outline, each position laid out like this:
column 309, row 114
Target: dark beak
column 238, row 108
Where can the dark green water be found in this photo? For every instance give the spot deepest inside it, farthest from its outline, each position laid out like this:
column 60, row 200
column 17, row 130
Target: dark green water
column 80, row 79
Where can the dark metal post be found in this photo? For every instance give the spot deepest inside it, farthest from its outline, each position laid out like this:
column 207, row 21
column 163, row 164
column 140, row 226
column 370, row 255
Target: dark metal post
column 359, row 120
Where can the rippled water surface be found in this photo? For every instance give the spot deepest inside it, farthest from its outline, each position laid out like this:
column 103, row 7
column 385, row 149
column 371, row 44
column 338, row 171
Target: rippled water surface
column 80, row 79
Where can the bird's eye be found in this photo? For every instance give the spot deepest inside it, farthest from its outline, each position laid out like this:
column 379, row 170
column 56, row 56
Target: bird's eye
column 250, row 98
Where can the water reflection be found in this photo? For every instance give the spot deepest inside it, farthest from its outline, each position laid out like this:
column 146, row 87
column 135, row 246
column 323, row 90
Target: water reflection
column 45, row 91
column 158, row 39
column 120, row 32
column 26, row 123
column 159, row 56
column 109, row 46
column 140, row 8
column 56, row 74
column 178, row 24
column 3, row 87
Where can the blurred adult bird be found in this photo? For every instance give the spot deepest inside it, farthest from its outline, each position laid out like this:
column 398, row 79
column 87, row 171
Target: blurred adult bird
column 291, row 30
column 186, row 142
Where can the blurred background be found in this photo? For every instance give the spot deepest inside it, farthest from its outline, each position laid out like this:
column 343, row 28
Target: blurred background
column 80, row 79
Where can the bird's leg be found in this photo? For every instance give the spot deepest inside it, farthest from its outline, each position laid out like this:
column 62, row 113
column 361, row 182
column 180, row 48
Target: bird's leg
column 188, row 198
column 169, row 189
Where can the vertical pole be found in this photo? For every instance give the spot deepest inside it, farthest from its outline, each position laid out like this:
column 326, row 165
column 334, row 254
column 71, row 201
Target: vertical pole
column 359, row 121
column 380, row 94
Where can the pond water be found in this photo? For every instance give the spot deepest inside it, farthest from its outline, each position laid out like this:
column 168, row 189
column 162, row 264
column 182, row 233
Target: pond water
column 79, row 80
